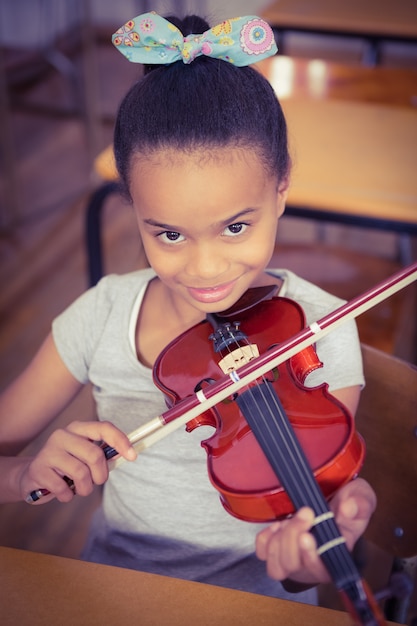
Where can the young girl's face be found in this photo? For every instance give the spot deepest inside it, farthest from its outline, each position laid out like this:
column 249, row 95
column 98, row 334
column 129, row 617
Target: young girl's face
column 208, row 223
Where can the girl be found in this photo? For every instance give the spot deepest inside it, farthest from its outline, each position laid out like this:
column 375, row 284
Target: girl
column 201, row 148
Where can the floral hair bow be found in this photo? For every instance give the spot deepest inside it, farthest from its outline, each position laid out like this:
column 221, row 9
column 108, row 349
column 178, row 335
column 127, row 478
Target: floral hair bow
column 151, row 39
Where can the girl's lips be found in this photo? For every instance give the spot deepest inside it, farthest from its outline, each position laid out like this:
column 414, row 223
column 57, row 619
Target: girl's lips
column 212, row 294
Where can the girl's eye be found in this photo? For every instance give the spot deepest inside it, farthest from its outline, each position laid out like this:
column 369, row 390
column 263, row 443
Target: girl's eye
column 170, row 236
column 236, row 229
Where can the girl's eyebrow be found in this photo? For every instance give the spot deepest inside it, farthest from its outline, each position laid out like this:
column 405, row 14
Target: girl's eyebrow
column 238, row 216
column 156, row 224
column 230, row 220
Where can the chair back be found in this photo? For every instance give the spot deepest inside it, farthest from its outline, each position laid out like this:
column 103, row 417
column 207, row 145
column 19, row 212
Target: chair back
column 387, row 419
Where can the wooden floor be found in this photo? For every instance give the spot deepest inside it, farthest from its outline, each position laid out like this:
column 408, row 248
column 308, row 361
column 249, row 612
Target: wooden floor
column 43, row 268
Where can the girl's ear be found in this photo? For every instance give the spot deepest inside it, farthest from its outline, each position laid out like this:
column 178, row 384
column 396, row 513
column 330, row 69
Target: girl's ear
column 282, row 195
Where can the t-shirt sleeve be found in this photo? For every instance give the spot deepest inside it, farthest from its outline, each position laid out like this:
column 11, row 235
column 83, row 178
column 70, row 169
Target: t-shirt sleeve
column 77, row 330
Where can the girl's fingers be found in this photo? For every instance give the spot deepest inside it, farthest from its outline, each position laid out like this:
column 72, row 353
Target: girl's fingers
column 105, row 431
column 73, row 452
column 290, row 550
column 76, row 457
column 353, row 506
column 40, row 478
column 285, row 545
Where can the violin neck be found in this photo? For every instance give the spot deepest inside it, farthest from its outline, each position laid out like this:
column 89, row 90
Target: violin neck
column 269, row 423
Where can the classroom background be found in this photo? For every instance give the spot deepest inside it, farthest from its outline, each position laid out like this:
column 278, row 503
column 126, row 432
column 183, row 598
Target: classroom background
column 60, row 84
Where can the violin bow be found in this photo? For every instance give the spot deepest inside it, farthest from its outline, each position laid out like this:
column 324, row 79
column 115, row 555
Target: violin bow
column 196, row 404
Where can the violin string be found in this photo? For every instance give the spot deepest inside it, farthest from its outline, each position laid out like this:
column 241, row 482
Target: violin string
column 325, row 532
column 328, row 530
column 295, row 476
column 266, row 424
column 295, row 481
column 336, row 557
column 298, row 462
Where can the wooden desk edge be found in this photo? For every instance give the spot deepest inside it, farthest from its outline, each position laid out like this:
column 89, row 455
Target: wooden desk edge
column 39, row 589
column 361, row 26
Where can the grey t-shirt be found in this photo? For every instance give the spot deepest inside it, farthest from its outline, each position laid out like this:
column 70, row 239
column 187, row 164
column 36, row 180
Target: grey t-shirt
column 160, row 513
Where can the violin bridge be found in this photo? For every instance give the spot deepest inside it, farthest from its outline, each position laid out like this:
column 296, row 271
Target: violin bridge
column 242, row 355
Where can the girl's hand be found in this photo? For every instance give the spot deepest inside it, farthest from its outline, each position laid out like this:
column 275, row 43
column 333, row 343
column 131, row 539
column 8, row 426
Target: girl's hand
column 288, row 547
column 72, row 452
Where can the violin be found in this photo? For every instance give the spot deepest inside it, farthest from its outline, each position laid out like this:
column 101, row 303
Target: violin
column 278, row 445
column 237, row 465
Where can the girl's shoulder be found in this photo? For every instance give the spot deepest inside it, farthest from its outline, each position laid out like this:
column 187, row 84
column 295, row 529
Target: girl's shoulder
column 315, row 301
column 116, row 285
column 113, row 292
column 99, row 317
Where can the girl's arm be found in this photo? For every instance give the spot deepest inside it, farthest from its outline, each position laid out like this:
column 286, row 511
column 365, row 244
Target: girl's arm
column 27, row 407
column 35, row 398
column 349, row 396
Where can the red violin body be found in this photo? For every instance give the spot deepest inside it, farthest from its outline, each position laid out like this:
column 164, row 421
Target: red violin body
column 237, row 466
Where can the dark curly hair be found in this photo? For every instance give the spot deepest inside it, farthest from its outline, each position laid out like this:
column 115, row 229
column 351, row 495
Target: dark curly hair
column 208, row 103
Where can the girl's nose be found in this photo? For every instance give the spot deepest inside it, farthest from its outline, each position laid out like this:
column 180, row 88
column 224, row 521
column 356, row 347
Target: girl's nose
column 206, row 262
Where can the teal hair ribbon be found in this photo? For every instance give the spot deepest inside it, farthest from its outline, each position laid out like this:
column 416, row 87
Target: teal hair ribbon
column 151, row 39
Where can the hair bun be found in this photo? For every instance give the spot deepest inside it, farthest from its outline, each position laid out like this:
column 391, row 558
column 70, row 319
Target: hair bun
column 190, row 24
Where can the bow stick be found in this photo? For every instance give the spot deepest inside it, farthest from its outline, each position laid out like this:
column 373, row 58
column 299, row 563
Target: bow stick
column 196, row 404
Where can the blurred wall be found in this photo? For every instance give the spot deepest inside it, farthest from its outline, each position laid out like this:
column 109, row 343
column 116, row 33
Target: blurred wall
column 32, row 23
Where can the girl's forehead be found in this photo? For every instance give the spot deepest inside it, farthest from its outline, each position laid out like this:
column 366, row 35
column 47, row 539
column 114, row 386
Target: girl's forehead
column 177, row 188
column 199, row 158
column 234, row 174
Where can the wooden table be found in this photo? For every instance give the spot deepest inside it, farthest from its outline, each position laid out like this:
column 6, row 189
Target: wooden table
column 42, row 590
column 354, row 162
column 373, row 20
column 317, row 79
